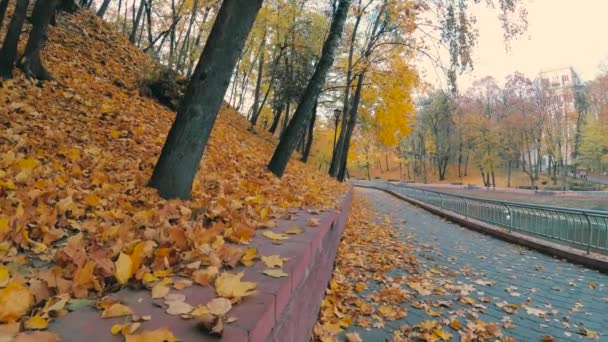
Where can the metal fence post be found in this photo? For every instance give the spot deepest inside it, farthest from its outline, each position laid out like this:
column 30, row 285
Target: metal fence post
column 510, row 218
column 590, row 233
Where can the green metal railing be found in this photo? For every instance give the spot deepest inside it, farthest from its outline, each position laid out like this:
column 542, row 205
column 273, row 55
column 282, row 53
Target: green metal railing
column 582, row 229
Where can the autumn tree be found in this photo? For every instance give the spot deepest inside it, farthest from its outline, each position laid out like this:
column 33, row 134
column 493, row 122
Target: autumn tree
column 594, row 145
column 302, row 115
column 183, row 149
column 436, row 116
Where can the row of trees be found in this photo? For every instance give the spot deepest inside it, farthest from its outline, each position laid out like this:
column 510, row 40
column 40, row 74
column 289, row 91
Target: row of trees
column 289, row 50
column 526, row 125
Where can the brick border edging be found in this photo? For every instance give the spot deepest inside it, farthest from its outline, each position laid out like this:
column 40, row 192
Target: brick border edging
column 298, row 318
column 592, row 260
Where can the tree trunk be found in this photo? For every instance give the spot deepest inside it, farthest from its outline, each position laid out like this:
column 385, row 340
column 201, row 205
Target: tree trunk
column 509, row 174
column 352, row 121
column 179, row 160
column 311, row 128
column 135, row 27
column 30, row 62
column 275, row 120
column 301, row 117
column 184, row 50
column 3, row 6
column 8, row 54
column 335, row 156
column 285, row 119
column 466, row 163
column 386, row 158
column 459, row 160
column 258, row 88
column 148, row 10
column 103, row 8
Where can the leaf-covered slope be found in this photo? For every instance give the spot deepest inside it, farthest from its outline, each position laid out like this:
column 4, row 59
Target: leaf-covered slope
column 76, row 153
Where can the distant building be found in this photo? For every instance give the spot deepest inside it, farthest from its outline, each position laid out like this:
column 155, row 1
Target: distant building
column 558, row 86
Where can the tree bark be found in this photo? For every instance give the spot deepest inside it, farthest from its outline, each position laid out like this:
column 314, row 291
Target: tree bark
column 258, row 88
column 179, row 160
column 3, row 6
column 103, row 8
column 301, row 117
column 285, row 119
column 311, row 128
column 335, row 156
column 352, row 121
column 185, row 48
column 8, row 53
column 135, row 27
column 275, row 120
column 30, row 63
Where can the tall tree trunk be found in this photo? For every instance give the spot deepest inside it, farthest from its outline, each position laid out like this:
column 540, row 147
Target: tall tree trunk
column 301, row 117
column 311, row 128
column 285, row 119
column 386, row 158
column 352, row 121
column 8, row 54
column 336, row 152
column 103, row 8
column 179, row 160
column 182, row 54
column 275, row 120
column 172, row 36
column 509, row 174
column 135, row 27
column 30, row 62
column 255, row 109
column 148, row 10
column 3, row 6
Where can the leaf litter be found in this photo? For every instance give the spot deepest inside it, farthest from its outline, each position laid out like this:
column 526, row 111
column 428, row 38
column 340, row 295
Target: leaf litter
column 76, row 217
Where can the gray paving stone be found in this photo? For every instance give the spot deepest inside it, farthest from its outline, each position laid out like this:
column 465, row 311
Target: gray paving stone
column 536, row 276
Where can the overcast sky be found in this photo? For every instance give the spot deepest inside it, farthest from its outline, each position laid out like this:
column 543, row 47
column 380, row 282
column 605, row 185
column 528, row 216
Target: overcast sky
column 561, row 33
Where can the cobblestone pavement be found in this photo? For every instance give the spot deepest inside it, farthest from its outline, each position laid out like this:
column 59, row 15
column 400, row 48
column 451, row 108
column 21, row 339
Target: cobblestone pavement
column 554, row 297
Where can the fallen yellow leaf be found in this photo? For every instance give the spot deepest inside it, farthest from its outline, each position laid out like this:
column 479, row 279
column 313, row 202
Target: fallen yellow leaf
column 15, row 301
column 116, row 310
column 36, row 323
column 275, row 236
column 158, row 335
column 124, row 269
column 230, row 286
column 159, row 291
column 249, row 257
column 275, row 273
column 219, row 306
column 5, row 275
column 273, row 261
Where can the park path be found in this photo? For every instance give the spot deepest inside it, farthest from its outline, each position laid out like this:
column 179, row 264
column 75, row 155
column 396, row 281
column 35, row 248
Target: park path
column 530, row 293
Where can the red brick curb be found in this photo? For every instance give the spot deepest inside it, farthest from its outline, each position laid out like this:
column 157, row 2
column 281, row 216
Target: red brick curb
column 592, row 260
column 283, row 309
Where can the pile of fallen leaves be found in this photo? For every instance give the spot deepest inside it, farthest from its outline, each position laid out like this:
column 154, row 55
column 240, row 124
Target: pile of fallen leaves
column 76, row 217
column 363, row 293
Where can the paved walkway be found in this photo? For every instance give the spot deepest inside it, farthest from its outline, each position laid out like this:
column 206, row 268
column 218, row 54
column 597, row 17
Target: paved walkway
column 554, row 297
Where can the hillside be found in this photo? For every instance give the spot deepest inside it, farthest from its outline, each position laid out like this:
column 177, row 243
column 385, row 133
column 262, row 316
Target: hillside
column 76, row 154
